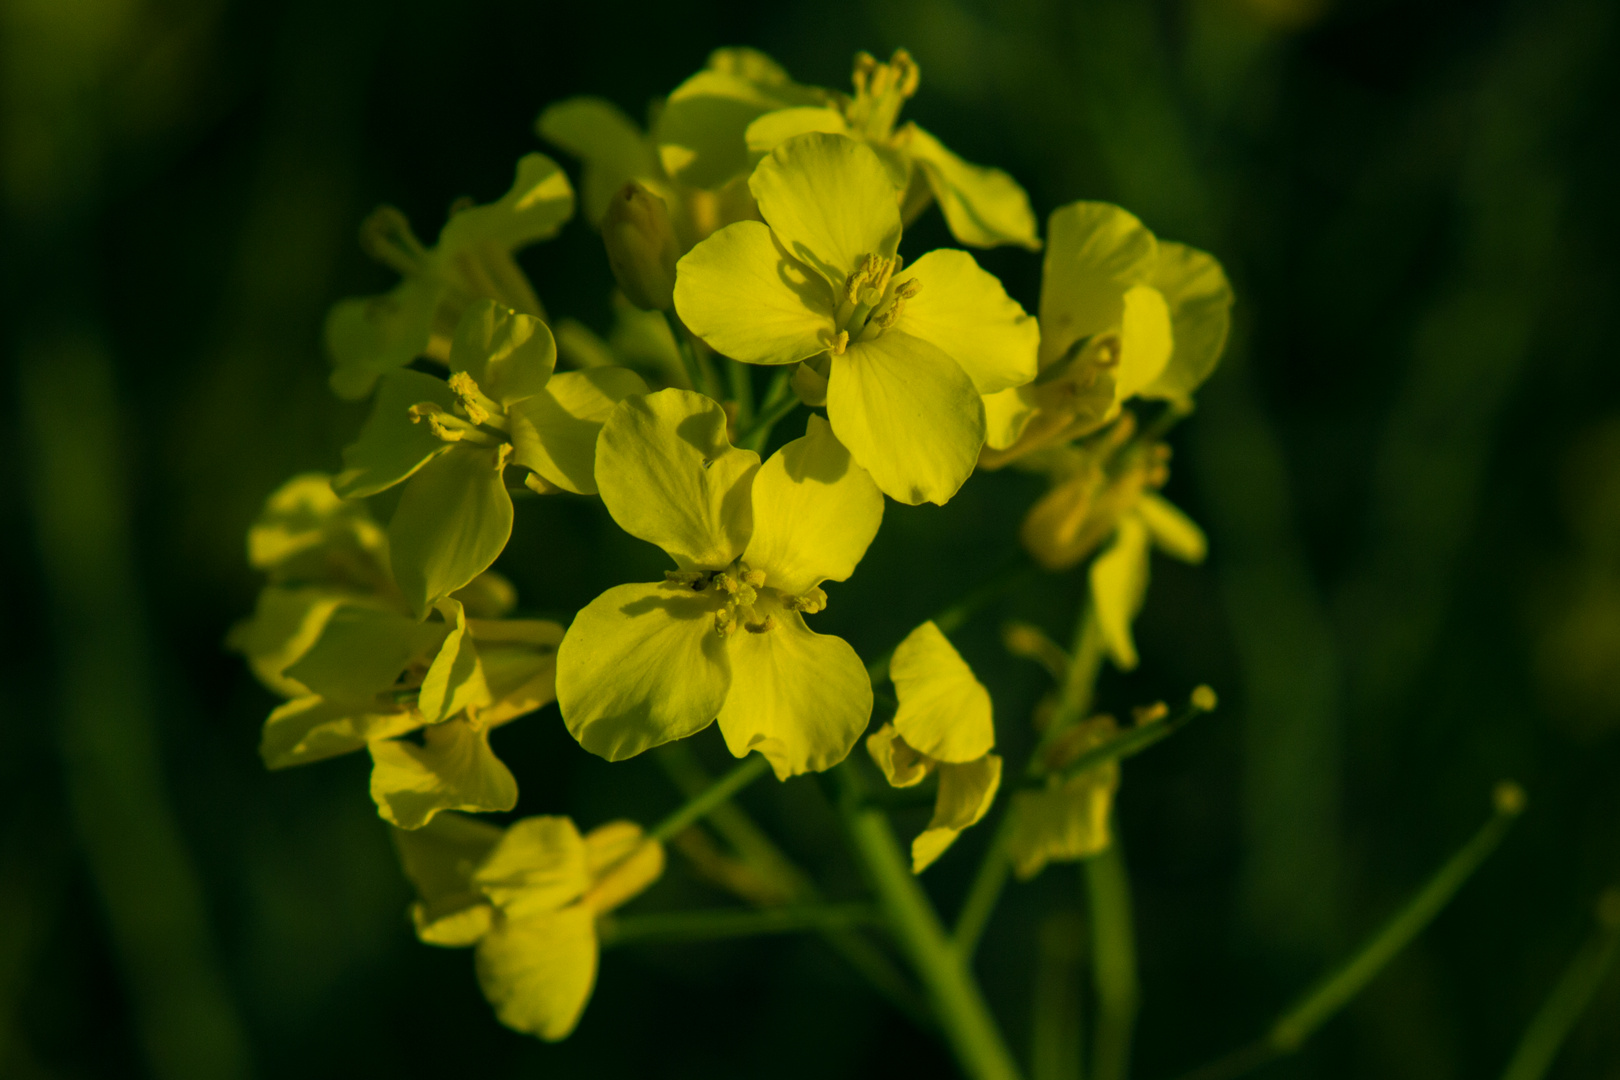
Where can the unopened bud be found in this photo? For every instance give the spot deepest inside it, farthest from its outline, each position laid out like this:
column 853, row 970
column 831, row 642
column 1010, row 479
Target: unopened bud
column 641, row 247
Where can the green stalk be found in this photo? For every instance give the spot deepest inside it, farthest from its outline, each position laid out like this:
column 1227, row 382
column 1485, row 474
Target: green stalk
column 1113, row 948
column 705, row 802
column 742, row 392
column 1056, row 1052
column 1133, row 741
column 777, row 406
column 757, row 849
column 1570, row 998
column 1330, row 995
column 734, row 922
column 984, row 892
column 701, row 377
column 955, row 997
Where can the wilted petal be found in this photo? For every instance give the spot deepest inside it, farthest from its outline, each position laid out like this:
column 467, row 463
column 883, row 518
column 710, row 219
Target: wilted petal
column 902, row 766
column 966, row 791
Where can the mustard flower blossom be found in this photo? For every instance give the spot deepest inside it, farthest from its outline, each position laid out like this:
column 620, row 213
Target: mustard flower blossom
column 984, row 207
column 449, row 443
column 368, row 336
column 528, row 898
column 906, row 353
column 724, row 635
column 944, row 726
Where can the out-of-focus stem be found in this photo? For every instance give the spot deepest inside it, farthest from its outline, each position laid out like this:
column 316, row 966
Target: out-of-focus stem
column 1113, row 963
column 735, row 922
column 717, row 794
column 1569, row 999
column 1056, row 1050
column 742, row 392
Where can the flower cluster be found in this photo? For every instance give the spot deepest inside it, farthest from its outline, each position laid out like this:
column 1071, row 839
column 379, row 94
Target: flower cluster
column 755, row 226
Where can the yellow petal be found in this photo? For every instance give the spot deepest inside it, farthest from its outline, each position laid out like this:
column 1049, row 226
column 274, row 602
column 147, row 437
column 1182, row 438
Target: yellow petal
column 798, row 697
column 539, row 865
column 964, row 310
column 640, row 666
column 966, row 791
column 1200, row 300
column 534, row 208
column 1066, row 821
column 1094, row 253
column 775, row 128
column 554, row 432
column 815, row 512
column 830, row 202
column 362, row 650
column 908, row 414
column 519, row 658
column 611, row 145
column 1119, row 579
column 285, row 623
column 455, row 679
column 312, row 728
column 454, row 769
column 944, row 711
column 742, row 293
column 391, row 447
column 1144, row 341
column 370, row 335
column 439, row 860
column 668, row 474
column 622, row 863
column 901, row 765
column 452, row 522
column 1175, row 533
column 538, row 971
column 1006, row 414
column 509, row 355
column 983, row 206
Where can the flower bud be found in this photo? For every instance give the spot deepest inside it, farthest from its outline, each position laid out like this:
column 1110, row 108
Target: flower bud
column 641, row 247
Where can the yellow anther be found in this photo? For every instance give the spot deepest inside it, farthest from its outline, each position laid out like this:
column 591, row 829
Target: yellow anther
column 810, row 601
column 445, row 426
column 907, row 289
column 724, row 622
column 839, row 343
column 464, row 387
column 769, row 623
column 756, row 578
column 1150, row 714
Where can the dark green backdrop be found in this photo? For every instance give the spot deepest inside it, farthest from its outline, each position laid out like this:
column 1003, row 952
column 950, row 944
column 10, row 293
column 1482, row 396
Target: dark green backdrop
column 1412, row 498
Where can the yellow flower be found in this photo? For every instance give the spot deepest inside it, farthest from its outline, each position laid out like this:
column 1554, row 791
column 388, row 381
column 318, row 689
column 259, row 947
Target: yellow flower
column 1069, row 818
column 1119, row 576
column 944, row 726
column 724, row 635
column 905, row 354
column 696, row 157
column 528, row 898
column 333, row 634
column 368, row 336
column 1123, row 315
column 984, row 207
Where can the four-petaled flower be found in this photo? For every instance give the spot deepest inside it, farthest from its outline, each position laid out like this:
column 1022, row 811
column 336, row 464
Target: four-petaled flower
column 724, row 635
column 905, row 352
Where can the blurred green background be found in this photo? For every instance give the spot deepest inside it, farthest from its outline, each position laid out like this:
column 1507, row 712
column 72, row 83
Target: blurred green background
column 1409, row 467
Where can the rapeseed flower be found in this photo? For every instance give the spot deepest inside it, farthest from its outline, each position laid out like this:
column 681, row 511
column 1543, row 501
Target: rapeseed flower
column 984, row 207
column 724, row 635
column 368, row 336
column 1068, row 818
column 905, row 353
column 528, row 898
column 943, row 726
column 449, row 443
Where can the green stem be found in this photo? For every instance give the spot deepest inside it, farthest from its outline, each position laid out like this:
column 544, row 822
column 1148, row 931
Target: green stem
column 1113, row 947
column 957, row 1002
column 1135, row 740
column 1056, row 1052
column 758, row 850
column 1332, row 993
column 733, row 923
column 1570, row 998
column 742, row 392
column 777, row 405
column 984, row 893
column 706, row 801
column 701, row 378
column 1078, row 690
